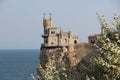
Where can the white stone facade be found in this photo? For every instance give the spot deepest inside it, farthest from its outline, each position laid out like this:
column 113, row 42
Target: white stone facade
column 54, row 38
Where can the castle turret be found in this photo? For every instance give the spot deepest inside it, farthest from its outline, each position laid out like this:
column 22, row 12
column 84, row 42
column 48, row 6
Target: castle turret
column 50, row 33
column 47, row 23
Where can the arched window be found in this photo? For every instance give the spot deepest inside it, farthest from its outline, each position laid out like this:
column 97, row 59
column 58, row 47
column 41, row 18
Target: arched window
column 92, row 41
column 75, row 41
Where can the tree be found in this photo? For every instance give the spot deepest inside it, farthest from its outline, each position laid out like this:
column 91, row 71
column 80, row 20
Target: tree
column 105, row 65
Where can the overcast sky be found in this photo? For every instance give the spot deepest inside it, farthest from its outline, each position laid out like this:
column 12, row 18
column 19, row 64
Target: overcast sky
column 21, row 20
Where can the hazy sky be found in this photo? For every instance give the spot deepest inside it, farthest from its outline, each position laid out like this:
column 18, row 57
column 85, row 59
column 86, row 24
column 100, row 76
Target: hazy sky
column 21, row 20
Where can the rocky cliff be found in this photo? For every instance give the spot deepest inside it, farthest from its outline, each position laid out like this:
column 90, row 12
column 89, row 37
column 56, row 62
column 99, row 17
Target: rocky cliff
column 70, row 59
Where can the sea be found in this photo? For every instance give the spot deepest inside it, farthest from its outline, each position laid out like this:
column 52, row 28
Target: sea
column 18, row 64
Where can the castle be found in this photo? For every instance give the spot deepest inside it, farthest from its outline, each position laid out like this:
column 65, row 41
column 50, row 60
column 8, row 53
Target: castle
column 65, row 47
column 54, row 38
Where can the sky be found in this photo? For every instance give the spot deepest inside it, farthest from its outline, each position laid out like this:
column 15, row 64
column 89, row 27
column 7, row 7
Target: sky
column 21, row 24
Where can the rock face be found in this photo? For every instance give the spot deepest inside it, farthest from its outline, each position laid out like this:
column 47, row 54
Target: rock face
column 71, row 59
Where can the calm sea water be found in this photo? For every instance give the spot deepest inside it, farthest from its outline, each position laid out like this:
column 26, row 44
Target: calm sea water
column 18, row 64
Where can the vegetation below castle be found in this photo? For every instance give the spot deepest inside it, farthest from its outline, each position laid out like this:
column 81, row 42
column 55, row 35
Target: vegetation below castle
column 100, row 61
column 105, row 64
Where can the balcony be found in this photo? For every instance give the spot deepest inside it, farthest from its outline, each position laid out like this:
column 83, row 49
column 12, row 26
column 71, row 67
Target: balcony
column 49, row 45
column 44, row 35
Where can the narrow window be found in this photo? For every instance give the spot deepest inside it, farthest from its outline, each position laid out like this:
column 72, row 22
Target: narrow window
column 45, row 31
column 46, row 41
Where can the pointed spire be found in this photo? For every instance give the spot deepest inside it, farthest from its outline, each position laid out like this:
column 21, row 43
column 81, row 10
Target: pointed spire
column 50, row 19
column 44, row 17
column 50, row 16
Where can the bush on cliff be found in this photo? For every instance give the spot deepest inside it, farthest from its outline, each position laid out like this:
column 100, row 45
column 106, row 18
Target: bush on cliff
column 54, row 70
column 105, row 65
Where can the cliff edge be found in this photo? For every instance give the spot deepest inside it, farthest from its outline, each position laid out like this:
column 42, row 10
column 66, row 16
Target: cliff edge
column 70, row 59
